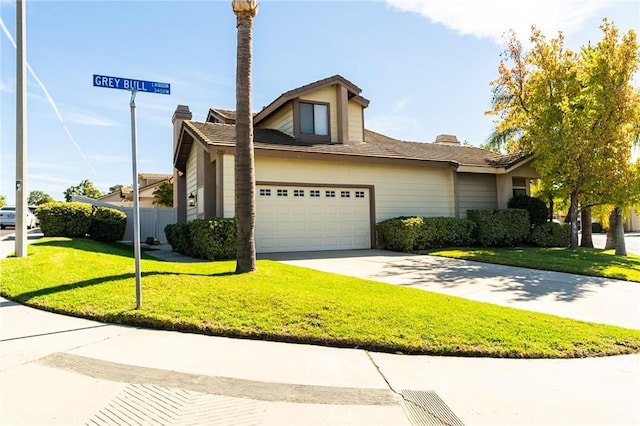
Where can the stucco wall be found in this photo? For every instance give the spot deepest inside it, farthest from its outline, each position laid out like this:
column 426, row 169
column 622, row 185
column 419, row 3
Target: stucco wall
column 192, row 181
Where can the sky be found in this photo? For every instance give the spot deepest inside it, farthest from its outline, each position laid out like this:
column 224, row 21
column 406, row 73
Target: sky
column 425, row 66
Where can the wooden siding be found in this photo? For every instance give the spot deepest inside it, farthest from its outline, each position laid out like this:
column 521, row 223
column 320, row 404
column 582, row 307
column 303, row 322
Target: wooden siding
column 228, row 177
column 282, row 120
column 356, row 127
column 192, row 181
column 327, row 94
column 476, row 191
column 399, row 190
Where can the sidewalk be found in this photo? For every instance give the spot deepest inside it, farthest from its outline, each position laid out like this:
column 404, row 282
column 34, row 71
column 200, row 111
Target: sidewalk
column 58, row 370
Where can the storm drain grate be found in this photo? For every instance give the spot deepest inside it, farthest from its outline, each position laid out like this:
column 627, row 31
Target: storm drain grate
column 155, row 405
column 426, row 408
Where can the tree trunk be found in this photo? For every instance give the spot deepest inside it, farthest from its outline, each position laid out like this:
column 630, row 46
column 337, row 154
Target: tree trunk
column 551, row 208
column 245, row 197
column 573, row 219
column 611, row 232
column 587, row 235
column 621, row 248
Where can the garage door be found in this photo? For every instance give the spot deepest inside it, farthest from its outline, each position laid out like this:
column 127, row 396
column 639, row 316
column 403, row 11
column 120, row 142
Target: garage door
column 305, row 218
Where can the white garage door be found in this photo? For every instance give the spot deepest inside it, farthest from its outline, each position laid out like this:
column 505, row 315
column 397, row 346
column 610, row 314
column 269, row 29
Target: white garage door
column 292, row 218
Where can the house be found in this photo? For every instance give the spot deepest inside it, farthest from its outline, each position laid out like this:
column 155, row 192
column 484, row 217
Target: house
column 323, row 180
column 147, row 183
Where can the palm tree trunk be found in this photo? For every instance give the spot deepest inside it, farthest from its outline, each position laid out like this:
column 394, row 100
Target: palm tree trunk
column 587, row 236
column 245, row 198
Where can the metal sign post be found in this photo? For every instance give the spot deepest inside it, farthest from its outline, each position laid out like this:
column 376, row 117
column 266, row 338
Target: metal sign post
column 134, row 86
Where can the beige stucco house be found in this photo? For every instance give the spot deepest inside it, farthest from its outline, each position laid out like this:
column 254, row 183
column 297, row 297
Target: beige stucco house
column 147, row 183
column 323, row 180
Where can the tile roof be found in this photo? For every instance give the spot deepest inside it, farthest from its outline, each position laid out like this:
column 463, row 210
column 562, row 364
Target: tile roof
column 375, row 145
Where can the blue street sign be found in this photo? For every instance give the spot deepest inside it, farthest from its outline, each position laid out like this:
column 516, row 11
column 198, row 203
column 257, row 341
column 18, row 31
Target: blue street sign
column 131, row 84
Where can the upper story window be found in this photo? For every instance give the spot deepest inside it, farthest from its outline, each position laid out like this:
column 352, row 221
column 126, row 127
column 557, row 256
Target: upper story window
column 313, row 120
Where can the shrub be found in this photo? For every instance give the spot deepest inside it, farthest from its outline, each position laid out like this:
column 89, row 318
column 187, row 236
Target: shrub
column 437, row 232
column 500, row 227
column 537, row 208
column 107, row 224
column 551, row 234
column 418, row 233
column 212, row 239
column 58, row 219
column 399, row 233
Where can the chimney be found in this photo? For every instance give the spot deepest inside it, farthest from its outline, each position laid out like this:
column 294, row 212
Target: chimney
column 182, row 113
column 179, row 181
column 447, row 140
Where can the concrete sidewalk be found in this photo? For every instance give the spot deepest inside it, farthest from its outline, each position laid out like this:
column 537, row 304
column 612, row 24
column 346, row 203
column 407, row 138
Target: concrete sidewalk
column 58, row 370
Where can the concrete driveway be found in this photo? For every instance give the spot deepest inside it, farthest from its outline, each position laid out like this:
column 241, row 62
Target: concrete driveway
column 593, row 299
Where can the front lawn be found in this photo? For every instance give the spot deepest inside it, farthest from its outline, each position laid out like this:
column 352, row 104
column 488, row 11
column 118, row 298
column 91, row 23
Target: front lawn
column 285, row 303
column 592, row 262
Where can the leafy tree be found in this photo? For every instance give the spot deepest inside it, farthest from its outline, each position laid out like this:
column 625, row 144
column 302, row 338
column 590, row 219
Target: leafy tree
column 245, row 188
column 574, row 111
column 85, row 188
column 163, row 194
column 3, row 200
column 38, row 197
column 115, row 188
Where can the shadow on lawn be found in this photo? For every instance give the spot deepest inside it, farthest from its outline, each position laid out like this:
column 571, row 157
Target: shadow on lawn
column 116, row 249
column 24, row 297
column 522, row 284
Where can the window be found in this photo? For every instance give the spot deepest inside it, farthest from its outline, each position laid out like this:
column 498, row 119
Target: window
column 314, row 119
column 359, row 194
column 283, row 192
column 265, row 192
column 519, row 186
column 330, row 194
column 345, row 194
column 314, row 193
column 298, row 192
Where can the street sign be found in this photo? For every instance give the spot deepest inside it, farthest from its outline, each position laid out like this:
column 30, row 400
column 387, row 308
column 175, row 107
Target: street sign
column 131, row 84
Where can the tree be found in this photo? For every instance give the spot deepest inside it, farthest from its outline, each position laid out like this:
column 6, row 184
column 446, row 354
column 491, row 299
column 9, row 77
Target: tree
column 549, row 101
column 85, row 188
column 115, row 188
column 38, row 197
column 245, row 188
column 163, row 194
column 3, row 200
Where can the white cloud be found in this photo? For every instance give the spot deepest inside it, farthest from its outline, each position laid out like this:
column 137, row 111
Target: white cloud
column 88, row 119
column 491, row 18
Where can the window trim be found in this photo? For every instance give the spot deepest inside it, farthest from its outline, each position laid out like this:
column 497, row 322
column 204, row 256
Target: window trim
column 296, row 121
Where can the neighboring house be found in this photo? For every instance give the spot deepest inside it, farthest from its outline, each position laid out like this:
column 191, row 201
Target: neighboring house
column 147, row 183
column 323, row 180
column 632, row 223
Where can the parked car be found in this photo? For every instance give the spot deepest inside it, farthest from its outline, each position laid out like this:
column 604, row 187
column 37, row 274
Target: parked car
column 8, row 217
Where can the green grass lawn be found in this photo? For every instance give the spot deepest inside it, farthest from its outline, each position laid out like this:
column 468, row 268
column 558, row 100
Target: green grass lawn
column 286, row 303
column 592, row 262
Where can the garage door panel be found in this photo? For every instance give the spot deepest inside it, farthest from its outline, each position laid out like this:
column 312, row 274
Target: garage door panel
column 325, row 221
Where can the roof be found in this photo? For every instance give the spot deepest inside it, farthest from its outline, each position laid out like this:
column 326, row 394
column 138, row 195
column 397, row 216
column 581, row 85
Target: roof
column 375, row 145
column 352, row 90
column 225, row 116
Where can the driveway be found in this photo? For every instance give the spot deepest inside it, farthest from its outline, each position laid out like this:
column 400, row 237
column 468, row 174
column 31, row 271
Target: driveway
column 593, row 299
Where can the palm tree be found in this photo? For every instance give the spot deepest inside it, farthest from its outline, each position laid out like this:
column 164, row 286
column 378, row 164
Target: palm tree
column 245, row 198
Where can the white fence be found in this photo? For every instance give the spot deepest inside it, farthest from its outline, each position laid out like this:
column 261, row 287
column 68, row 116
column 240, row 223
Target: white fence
column 152, row 219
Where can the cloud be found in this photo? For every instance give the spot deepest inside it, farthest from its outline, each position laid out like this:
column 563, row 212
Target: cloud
column 491, row 18
column 88, row 119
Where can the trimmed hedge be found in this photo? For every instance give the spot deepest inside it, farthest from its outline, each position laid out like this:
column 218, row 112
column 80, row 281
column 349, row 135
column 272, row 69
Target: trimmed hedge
column 551, row 234
column 107, row 224
column 420, row 233
column 211, row 239
column 500, row 227
column 537, row 208
column 79, row 220
column 59, row 219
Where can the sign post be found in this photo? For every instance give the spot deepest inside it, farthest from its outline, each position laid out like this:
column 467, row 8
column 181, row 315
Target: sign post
column 134, row 86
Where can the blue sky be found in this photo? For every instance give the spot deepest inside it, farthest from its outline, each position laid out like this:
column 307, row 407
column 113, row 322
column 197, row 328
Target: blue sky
column 424, row 65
